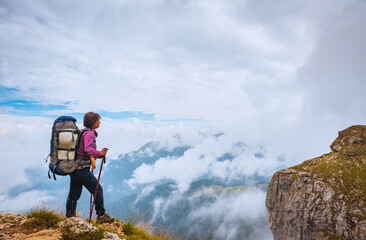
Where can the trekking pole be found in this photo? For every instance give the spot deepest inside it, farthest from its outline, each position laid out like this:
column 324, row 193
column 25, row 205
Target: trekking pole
column 91, row 199
column 91, row 194
column 96, row 189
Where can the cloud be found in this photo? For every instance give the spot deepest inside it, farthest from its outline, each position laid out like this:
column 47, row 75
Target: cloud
column 25, row 201
column 333, row 76
column 24, row 143
column 230, row 214
column 247, row 63
column 205, row 60
column 203, row 159
column 209, row 215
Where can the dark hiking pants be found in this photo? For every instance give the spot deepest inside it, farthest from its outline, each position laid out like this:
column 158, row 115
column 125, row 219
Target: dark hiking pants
column 78, row 179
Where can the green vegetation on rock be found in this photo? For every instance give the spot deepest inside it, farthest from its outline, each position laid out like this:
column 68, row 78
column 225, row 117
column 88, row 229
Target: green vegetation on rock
column 347, row 173
column 85, row 236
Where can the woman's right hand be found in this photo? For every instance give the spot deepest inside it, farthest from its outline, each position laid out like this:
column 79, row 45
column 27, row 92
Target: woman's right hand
column 103, row 152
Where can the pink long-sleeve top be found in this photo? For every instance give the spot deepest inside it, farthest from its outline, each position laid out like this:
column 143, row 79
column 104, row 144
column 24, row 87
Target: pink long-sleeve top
column 87, row 145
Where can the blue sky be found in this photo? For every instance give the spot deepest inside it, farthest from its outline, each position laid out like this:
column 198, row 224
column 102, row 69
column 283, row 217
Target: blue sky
column 33, row 108
column 283, row 74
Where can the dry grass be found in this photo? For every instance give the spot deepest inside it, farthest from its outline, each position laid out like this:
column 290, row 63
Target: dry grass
column 43, row 218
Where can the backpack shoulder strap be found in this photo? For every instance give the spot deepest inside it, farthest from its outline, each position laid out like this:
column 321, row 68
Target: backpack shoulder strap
column 80, row 136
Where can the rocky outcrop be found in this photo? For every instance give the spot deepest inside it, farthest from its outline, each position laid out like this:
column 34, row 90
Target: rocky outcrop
column 77, row 226
column 17, row 227
column 325, row 197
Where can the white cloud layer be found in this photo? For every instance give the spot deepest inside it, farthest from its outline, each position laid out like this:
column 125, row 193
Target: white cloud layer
column 25, row 201
column 24, row 143
column 230, row 214
column 202, row 160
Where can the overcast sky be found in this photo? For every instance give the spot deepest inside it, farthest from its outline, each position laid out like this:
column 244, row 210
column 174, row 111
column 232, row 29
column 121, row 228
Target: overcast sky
column 285, row 74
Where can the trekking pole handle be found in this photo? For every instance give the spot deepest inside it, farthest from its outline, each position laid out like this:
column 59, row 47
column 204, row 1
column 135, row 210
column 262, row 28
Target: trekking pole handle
column 104, row 155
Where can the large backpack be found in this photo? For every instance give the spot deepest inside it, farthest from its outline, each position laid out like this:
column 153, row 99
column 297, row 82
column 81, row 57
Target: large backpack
column 64, row 142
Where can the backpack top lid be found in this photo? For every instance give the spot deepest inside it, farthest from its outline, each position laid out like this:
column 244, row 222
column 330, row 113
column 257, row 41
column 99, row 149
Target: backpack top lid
column 59, row 120
column 64, row 119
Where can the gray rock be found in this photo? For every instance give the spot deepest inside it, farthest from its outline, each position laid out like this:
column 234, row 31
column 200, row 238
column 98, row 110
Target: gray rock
column 77, row 226
column 111, row 236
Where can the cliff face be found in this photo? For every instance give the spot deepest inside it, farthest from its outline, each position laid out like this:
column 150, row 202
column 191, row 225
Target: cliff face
column 325, row 197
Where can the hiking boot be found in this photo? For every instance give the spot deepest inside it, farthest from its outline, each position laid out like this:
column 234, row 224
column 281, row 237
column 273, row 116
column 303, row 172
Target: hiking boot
column 104, row 219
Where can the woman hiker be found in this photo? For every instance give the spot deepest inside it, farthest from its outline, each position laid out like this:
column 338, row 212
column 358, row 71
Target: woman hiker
column 82, row 175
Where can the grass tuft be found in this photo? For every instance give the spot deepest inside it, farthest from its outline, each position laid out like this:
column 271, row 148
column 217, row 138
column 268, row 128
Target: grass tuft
column 43, row 218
